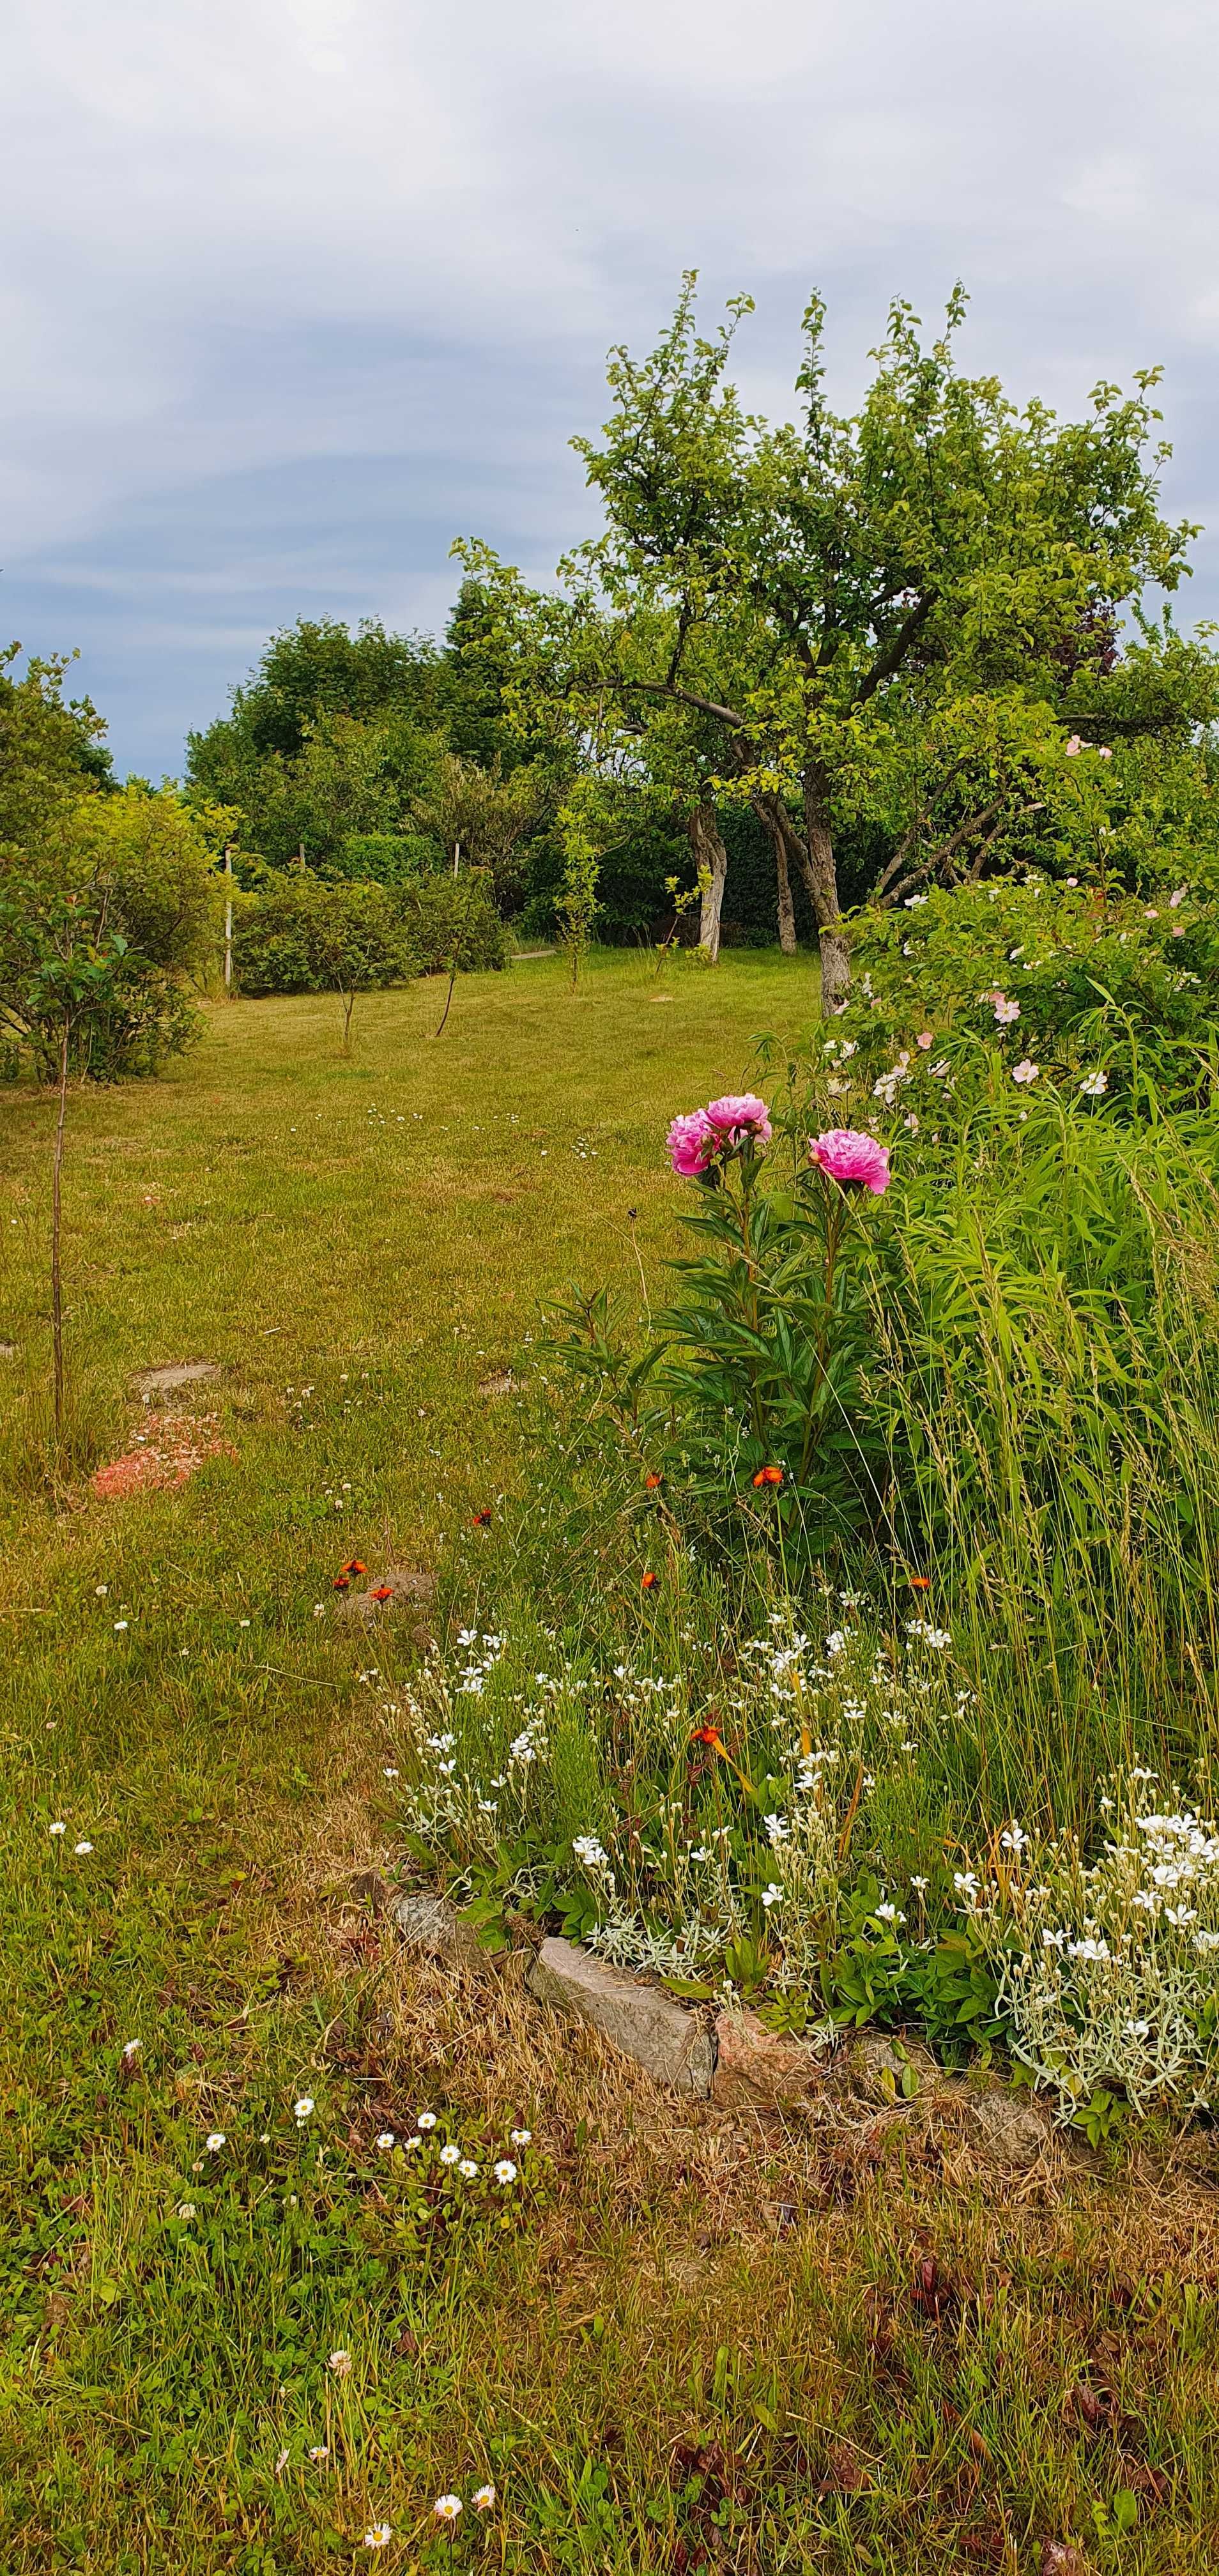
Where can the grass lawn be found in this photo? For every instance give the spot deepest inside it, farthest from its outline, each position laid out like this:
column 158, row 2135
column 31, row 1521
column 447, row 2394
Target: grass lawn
column 685, row 2340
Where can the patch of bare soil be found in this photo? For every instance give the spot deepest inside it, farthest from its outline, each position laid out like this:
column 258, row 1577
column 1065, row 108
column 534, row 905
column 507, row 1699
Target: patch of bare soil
column 162, row 1458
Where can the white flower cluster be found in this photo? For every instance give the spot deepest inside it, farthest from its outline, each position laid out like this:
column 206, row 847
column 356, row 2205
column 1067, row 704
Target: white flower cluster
column 482, row 1655
column 819, row 1729
column 885, row 1088
column 1113, row 1981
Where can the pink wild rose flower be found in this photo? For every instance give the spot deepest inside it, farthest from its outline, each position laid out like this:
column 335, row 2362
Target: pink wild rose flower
column 852, row 1158
column 739, row 1116
column 692, row 1143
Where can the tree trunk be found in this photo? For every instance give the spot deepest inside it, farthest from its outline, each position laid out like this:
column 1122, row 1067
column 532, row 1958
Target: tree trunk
column 821, row 878
column 787, row 909
column 767, row 810
column 709, row 853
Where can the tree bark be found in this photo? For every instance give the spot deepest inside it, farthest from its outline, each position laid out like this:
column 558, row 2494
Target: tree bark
column 821, row 878
column 767, row 810
column 709, row 852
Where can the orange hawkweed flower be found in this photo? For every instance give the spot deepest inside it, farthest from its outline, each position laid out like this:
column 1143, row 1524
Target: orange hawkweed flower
column 481, row 1520
column 383, row 1592
column 650, row 1582
column 768, row 1476
column 354, row 1565
column 710, row 1736
column 652, row 1480
column 340, row 1584
column 920, row 1583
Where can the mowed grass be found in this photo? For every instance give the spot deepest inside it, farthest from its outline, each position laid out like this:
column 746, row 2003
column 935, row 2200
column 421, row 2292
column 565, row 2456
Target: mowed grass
column 700, row 2342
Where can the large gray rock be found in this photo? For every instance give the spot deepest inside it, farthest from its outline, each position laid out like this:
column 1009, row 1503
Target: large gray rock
column 673, row 2046
column 154, row 1384
column 431, row 1923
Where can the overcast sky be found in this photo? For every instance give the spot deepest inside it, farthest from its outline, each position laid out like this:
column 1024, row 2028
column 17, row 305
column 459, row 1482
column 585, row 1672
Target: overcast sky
column 294, row 291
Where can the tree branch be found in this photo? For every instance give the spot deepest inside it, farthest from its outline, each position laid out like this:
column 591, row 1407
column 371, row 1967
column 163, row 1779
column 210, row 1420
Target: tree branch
column 895, row 653
column 685, row 698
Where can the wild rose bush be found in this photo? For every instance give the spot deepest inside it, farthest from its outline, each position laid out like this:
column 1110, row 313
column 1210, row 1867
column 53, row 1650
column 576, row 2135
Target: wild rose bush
column 1079, row 981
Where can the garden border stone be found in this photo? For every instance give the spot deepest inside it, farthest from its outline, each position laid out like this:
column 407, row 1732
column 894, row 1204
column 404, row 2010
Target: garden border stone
column 153, row 1383
column 672, row 2045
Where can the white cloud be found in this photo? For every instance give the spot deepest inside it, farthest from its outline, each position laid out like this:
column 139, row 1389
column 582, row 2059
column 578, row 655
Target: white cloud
column 272, row 265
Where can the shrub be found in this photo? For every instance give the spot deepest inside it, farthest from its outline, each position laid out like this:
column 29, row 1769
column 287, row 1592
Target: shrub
column 121, row 885
column 1061, row 976
column 453, row 922
column 296, row 933
column 390, row 858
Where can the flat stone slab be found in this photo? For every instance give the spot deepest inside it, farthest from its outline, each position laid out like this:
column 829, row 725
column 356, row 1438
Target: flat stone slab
column 763, row 2070
column 152, row 1384
column 431, row 1923
column 401, row 1587
column 672, row 2046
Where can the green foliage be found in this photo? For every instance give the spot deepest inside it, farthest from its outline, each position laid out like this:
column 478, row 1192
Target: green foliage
column 298, row 934
column 121, row 886
column 582, row 826
column 309, row 672
column 1047, row 1317
column 1082, row 981
column 755, row 1366
column 390, row 858
column 340, row 746
column 947, row 1987
column 476, row 680
column 452, row 922
column 332, row 736
column 480, row 818
column 880, row 623
column 51, row 753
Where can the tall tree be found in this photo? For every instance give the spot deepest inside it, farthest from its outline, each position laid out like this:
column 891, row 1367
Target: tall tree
column 827, row 594
column 332, row 733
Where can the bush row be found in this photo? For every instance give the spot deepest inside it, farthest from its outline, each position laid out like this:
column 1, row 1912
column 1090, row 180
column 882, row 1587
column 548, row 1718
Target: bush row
column 296, row 933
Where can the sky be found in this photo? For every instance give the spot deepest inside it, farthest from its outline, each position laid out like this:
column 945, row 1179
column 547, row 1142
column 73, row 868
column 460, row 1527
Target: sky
column 293, row 292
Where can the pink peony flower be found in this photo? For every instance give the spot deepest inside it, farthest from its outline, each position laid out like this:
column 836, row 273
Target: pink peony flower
column 851, row 1158
column 692, row 1142
column 739, row 1115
